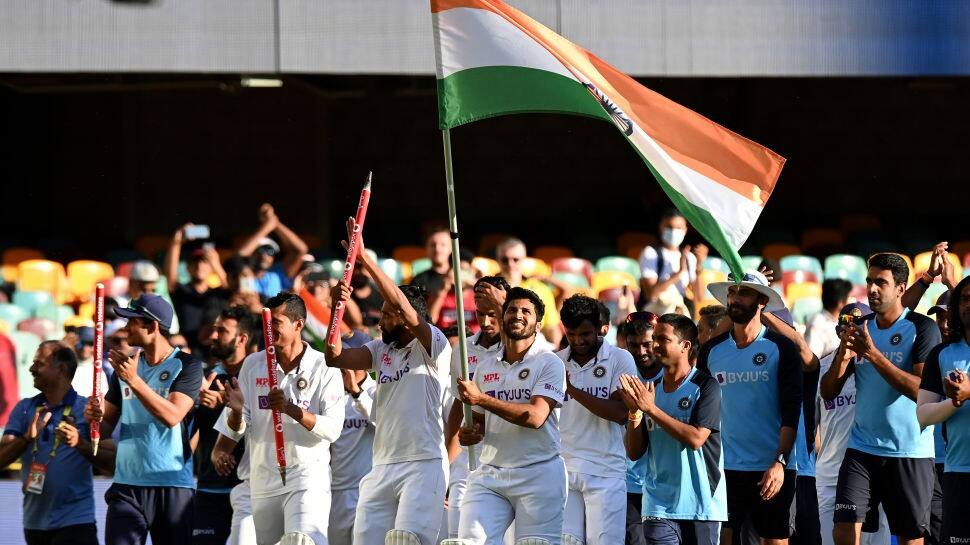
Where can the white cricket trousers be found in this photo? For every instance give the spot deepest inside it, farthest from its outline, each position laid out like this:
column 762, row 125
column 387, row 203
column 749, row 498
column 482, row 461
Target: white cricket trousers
column 343, row 509
column 534, row 496
column 242, row 531
column 306, row 511
column 826, row 511
column 405, row 496
column 595, row 509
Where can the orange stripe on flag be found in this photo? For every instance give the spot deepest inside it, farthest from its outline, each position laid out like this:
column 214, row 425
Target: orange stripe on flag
column 443, row 5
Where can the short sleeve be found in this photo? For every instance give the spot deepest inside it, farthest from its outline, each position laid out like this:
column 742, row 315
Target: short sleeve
column 113, row 395
column 18, row 419
column 455, row 372
column 707, row 410
column 439, row 344
column 932, row 380
column 648, row 263
column 624, row 366
column 189, row 380
column 927, row 338
column 376, row 348
column 551, row 382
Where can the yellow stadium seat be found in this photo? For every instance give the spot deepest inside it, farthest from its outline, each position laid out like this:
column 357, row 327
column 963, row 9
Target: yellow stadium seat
column 709, row 276
column 41, row 275
column 548, row 253
column 4, row 327
column 78, row 321
column 407, row 254
column 802, row 290
column 15, row 255
column 406, row 273
column 83, row 275
column 9, row 273
column 551, row 318
column 488, row 266
column 536, row 267
column 922, row 262
column 604, row 280
column 709, row 302
column 86, row 310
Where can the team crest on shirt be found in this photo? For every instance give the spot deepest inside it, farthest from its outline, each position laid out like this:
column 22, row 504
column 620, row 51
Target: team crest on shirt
column 684, row 403
column 164, row 376
column 760, row 358
column 599, row 371
column 896, row 339
column 523, row 374
column 301, row 383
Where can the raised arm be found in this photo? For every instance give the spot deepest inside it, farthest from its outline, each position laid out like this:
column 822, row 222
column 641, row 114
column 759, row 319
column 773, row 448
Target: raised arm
column 267, row 224
column 295, row 248
column 350, row 358
column 172, row 258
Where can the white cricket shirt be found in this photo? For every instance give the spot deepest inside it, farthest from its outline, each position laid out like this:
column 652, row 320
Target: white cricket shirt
column 316, row 388
column 539, row 373
column 350, row 455
column 835, row 419
column 590, row 444
column 222, row 426
column 410, row 393
column 476, row 354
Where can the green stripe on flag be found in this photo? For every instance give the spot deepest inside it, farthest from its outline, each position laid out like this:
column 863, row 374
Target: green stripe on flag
column 479, row 93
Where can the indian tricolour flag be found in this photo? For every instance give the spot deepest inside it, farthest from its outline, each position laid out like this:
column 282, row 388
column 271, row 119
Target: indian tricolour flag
column 493, row 60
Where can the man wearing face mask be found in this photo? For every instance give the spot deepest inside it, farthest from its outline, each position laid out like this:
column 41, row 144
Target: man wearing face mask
column 667, row 271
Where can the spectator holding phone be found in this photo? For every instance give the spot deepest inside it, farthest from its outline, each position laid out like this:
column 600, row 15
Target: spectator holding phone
column 273, row 274
column 190, row 299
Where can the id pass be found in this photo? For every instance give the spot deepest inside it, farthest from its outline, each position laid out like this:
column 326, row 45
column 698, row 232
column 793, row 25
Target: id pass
column 35, row 480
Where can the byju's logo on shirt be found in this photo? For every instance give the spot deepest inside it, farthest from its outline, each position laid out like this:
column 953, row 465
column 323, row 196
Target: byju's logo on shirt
column 839, row 401
column 517, row 394
column 760, row 358
column 263, row 402
column 724, row 377
column 552, row 388
column 384, row 379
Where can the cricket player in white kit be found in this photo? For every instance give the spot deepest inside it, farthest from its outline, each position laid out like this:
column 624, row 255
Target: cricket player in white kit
column 592, row 426
column 482, row 346
column 310, row 396
column 405, row 490
column 242, row 531
column 516, row 399
column 350, row 456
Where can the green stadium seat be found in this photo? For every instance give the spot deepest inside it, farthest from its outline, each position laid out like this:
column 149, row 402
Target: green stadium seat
column 335, row 267
column 929, row 298
column 751, row 262
column 801, row 263
column 12, row 314
column 848, row 267
column 716, row 264
column 620, row 264
column 573, row 279
column 418, row 266
column 25, row 346
column 30, row 300
column 55, row 313
column 803, row 309
column 392, row 269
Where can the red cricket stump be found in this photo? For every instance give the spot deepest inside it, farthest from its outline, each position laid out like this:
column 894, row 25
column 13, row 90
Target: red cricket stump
column 333, row 335
column 271, row 373
column 98, row 355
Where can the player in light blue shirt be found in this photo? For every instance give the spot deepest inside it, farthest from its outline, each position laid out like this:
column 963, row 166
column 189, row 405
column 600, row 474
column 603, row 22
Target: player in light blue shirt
column 944, row 391
column 151, row 396
column 674, row 424
column 888, row 450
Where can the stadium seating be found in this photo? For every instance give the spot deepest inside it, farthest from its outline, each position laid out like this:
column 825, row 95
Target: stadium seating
column 418, row 266
column 805, row 308
column 795, row 277
column 9, row 273
column 41, row 275
column 619, row 263
column 751, row 262
column 632, row 243
column 544, row 292
column 922, row 262
column 536, row 267
column 801, row 290
column 86, row 311
column 852, row 223
column 12, row 314
column 802, row 263
column 573, row 279
column 392, row 269
column 41, row 327
column 30, row 300
column 487, row 243
column 779, row 250
column 716, row 264
column 83, row 275
column 549, row 253
column 822, row 240
column 930, row 297
column 488, row 266
column 78, row 321
column 57, row 314
column 152, row 246
column 25, row 346
column 116, row 287
column 408, row 253
column 15, row 255
column 603, row 280
column 848, row 267
column 574, row 265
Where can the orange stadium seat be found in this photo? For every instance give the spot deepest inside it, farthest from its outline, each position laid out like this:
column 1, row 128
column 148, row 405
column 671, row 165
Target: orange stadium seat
column 574, row 265
column 41, row 275
column 407, row 254
column 13, row 256
column 779, row 250
column 922, row 262
column 548, row 253
column 9, row 273
column 84, row 274
column 632, row 243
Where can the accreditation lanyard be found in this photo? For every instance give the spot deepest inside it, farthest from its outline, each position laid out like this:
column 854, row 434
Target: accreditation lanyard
column 38, row 471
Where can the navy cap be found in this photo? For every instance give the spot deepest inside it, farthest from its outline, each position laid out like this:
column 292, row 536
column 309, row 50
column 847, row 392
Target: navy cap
column 149, row 307
column 85, row 335
column 942, row 302
column 858, row 312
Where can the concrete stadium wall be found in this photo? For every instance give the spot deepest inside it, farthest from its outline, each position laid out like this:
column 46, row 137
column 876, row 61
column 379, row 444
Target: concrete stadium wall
column 644, row 38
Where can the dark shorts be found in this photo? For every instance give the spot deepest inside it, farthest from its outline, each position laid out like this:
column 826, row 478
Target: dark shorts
column 213, row 518
column 659, row 531
column 808, row 530
column 956, row 508
column 76, row 534
column 934, row 532
column 772, row 519
column 134, row 512
column 634, row 526
column 904, row 487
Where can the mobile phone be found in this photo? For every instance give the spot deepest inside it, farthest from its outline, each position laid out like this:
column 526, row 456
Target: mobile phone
column 953, row 375
column 197, row 232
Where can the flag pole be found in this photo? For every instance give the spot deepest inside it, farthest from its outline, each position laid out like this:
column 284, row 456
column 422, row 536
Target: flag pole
column 456, row 275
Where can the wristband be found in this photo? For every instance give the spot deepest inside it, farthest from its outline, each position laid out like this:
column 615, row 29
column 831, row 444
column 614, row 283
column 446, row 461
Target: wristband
column 634, row 415
column 923, row 281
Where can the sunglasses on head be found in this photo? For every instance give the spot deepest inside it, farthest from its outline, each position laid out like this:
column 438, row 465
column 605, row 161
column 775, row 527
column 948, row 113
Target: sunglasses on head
column 642, row 316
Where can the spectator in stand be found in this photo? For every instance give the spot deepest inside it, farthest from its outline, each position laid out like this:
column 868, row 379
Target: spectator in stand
column 442, row 308
column 55, row 456
column 241, row 280
column 313, row 286
column 820, row 332
column 83, row 382
column 9, row 389
column 273, row 275
column 142, row 279
column 191, row 299
column 668, row 270
column 511, row 255
column 438, row 245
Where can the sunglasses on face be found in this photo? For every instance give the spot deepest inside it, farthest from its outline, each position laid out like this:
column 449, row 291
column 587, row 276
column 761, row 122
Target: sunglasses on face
column 642, row 316
column 510, row 259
